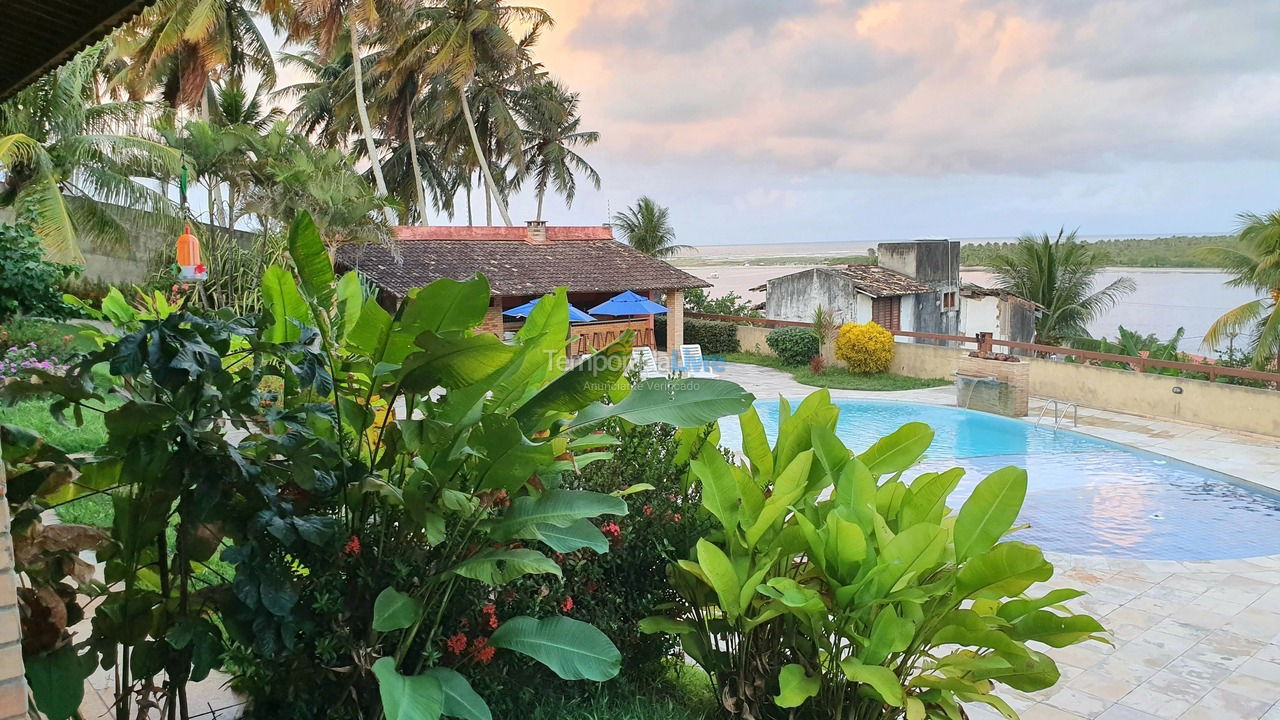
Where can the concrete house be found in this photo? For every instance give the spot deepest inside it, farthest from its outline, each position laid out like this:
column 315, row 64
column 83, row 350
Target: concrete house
column 855, row 293
column 1005, row 315
column 915, row 288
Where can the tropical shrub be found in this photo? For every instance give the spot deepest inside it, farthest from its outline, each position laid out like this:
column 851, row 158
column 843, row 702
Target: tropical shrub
column 836, row 589
column 30, row 283
column 864, row 348
column 364, row 556
column 700, row 301
column 794, row 346
column 715, row 337
column 614, row 591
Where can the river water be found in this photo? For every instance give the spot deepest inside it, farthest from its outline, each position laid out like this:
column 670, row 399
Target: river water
column 1164, row 300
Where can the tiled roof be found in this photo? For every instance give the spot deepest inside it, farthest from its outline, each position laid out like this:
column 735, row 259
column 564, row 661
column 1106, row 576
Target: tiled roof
column 879, row 281
column 584, row 259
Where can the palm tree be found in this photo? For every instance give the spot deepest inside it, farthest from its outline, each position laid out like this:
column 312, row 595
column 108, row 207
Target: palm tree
column 1059, row 274
column 552, row 131
column 179, row 46
column 292, row 175
column 646, row 226
column 66, row 164
column 467, row 42
column 338, row 27
column 1255, row 264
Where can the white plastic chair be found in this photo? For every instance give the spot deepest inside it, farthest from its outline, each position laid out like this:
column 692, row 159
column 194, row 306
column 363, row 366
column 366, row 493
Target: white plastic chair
column 690, row 362
column 647, row 362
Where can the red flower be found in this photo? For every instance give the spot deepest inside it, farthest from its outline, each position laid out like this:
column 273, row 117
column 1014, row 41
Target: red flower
column 676, row 517
column 489, row 609
column 479, row 643
column 484, row 655
column 352, row 547
column 648, row 510
column 567, row 604
column 457, row 644
column 493, row 622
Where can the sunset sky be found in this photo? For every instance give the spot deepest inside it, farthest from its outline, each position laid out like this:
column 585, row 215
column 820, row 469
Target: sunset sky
column 822, row 120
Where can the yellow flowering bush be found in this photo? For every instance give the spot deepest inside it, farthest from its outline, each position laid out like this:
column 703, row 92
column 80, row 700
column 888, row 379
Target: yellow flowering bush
column 864, row 348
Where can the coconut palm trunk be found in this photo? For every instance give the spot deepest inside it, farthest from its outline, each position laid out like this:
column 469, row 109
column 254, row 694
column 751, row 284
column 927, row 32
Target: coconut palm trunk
column 491, row 188
column 542, row 192
column 366, row 128
column 417, row 170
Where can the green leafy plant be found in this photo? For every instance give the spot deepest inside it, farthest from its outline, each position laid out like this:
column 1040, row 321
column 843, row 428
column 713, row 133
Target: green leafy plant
column 700, row 301
column 865, row 348
column 406, row 470
column 30, row 283
column 715, row 337
column 794, row 346
column 836, row 588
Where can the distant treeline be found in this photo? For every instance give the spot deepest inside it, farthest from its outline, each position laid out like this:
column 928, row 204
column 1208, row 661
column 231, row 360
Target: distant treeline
column 1165, row 252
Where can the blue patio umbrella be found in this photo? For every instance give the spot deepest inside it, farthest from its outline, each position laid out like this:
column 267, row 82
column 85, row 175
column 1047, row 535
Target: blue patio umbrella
column 575, row 315
column 628, row 303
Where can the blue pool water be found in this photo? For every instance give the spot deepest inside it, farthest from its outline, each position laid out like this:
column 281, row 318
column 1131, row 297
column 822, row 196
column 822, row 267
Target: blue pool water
column 1086, row 496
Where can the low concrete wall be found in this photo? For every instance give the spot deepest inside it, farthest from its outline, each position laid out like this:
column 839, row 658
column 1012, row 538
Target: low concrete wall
column 1215, row 404
column 752, row 339
column 925, row 361
column 1205, row 403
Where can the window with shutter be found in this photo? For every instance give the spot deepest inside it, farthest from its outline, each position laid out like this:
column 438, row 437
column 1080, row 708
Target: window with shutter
column 887, row 312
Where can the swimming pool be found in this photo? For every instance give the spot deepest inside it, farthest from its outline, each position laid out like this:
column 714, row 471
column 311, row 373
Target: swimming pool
column 1085, row 496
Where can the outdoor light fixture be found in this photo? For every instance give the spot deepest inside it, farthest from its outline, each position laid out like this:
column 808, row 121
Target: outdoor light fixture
column 1177, row 390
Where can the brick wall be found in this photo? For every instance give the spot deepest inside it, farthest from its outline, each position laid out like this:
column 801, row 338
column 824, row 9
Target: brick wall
column 492, row 320
column 1008, row 396
column 13, row 684
column 675, row 319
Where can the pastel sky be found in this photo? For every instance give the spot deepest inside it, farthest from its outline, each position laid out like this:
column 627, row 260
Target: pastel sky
column 825, row 120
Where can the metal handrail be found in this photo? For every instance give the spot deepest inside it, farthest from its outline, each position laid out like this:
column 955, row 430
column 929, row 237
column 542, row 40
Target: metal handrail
column 1060, row 412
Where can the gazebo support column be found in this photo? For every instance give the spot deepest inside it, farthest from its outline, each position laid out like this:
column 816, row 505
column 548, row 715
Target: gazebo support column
column 493, row 318
column 675, row 320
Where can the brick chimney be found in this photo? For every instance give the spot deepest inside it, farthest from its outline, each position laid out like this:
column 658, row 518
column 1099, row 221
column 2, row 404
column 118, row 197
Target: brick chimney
column 537, row 230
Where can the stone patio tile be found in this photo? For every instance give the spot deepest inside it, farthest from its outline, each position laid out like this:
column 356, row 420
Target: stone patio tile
column 1254, row 623
column 1223, row 655
column 1269, row 652
column 1189, row 583
column 1172, row 594
column 1225, row 705
column 1194, row 626
column 1268, row 671
column 1174, row 685
column 1252, row 687
column 1132, row 616
column 1160, row 606
column 1217, row 605
column 1207, row 672
column 1159, row 704
column 1108, row 681
column 1078, row 702
column 1234, row 643
column 1042, row 711
column 1123, row 712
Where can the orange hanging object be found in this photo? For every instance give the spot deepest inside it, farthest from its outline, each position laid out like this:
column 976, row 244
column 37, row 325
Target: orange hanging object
column 189, row 265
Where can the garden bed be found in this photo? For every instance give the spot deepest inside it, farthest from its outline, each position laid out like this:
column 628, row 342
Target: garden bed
column 837, row 378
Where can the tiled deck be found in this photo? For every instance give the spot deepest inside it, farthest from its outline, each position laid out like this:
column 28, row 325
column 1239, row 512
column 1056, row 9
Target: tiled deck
column 1193, row 641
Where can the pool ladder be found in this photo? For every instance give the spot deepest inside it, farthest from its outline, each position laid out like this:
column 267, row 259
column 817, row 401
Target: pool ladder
column 1060, row 412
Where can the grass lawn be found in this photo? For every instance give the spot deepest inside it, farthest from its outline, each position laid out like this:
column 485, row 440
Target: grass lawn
column 34, row 415
column 838, row 378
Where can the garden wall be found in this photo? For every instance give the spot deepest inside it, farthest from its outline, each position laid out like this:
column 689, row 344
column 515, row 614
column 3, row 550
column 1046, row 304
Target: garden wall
column 1205, row 403
column 1215, row 404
